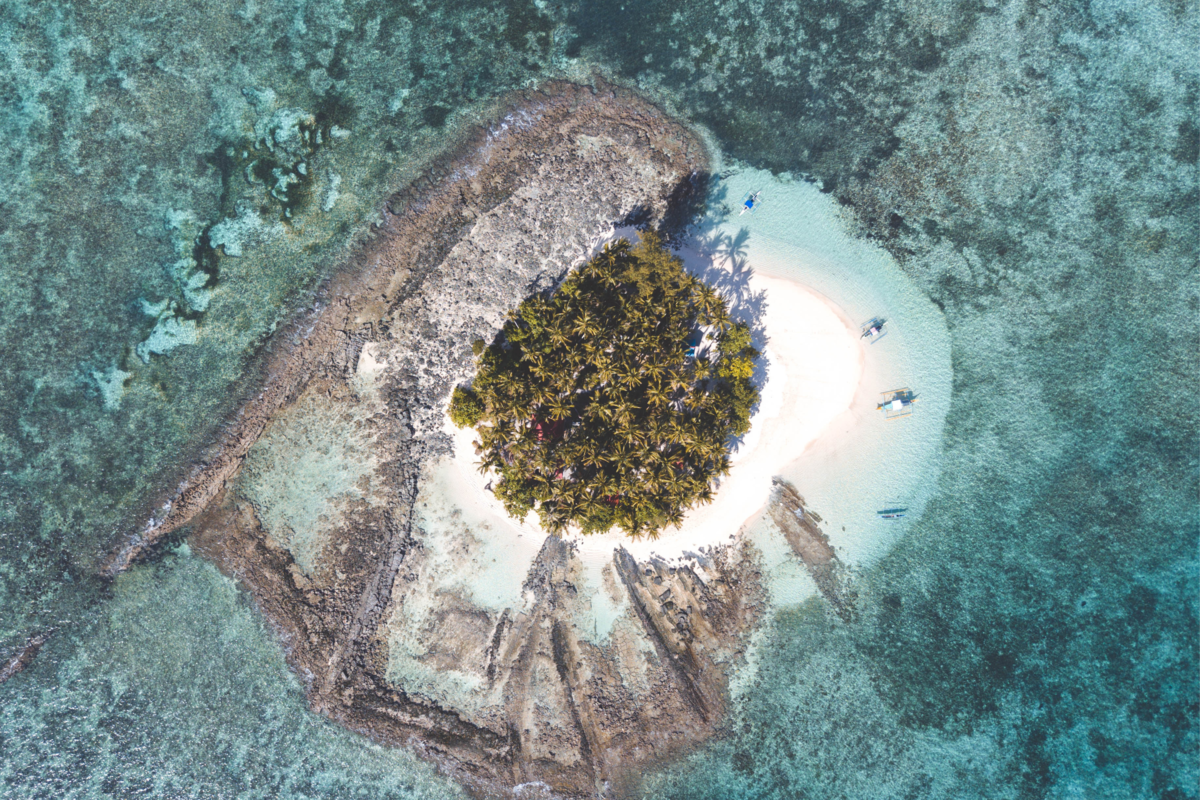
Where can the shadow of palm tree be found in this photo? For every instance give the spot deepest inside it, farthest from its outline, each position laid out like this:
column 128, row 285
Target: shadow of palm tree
column 728, row 271
column 732, row 248
column 685, row 205
column 723, row 263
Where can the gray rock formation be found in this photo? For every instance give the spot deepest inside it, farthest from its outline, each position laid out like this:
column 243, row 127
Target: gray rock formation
column 312, row 499
column 23, row 657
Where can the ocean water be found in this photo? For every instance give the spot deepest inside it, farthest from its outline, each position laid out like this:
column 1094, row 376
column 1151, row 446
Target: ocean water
column 176, row 688
column 179, row 176
column 308, row 465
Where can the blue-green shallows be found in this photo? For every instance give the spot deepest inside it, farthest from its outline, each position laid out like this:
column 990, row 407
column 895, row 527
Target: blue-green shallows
column 178, row 176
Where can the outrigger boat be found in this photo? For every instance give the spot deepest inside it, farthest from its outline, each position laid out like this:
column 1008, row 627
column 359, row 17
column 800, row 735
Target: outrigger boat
column 892, row 513
column 749, row 202
column 872, row 329
column 896, row 403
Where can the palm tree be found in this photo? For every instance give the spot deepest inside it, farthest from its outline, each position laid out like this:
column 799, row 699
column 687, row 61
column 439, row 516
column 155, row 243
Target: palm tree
column 585, row 324
column 707, row 301
column 557, row 335
column 657, row 394
column 644, row 429
column 559, row 408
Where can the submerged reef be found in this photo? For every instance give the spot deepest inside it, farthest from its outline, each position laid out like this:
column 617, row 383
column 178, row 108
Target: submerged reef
column 1033, row 168
column 179, row 177
column 317, row 500
column 801, row 528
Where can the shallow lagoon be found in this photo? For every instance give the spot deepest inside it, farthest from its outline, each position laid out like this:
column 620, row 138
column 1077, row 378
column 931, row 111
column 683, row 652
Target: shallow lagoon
column 1031, row 634
column 864, row 463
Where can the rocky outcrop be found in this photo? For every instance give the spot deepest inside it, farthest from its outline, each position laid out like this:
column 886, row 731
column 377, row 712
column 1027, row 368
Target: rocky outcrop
column 312, row 499
column 801, row 527
column 24, row 657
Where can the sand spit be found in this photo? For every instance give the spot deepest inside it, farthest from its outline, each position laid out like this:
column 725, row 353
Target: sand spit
column 388, row 624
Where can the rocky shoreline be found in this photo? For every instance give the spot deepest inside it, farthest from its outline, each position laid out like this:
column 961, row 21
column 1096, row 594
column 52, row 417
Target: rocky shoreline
column 541, row 705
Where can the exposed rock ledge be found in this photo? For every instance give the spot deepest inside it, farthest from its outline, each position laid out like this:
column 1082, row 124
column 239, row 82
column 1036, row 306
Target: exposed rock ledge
column 334, row 551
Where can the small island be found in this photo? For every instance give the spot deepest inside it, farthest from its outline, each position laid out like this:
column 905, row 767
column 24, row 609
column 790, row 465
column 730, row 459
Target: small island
column 411, row 606
column 612, row 402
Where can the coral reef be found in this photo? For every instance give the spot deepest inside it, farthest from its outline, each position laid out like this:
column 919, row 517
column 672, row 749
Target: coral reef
column 800, row 526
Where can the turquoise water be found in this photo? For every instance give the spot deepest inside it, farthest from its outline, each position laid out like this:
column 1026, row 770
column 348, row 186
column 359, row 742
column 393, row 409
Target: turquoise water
column 1032, row 169
column 177, row 689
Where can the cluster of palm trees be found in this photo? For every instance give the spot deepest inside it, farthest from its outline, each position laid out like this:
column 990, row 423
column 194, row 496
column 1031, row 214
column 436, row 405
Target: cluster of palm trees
column 594, row 406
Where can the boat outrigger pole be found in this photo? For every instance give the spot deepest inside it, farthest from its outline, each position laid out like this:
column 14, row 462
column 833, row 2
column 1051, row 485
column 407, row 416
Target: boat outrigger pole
column 873, row 330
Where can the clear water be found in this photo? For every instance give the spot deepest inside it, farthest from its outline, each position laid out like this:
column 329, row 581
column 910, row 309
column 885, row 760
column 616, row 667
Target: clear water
column 1033, row 633
column 870, row 463
column 310, row 463
column 176, row 688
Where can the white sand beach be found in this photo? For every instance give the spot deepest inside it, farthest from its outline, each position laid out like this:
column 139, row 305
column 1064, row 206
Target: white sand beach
column 807, row 287
column 813, row 363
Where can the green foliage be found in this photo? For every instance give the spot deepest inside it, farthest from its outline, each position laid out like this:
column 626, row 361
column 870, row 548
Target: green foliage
column 465, row 408
column 589, row 406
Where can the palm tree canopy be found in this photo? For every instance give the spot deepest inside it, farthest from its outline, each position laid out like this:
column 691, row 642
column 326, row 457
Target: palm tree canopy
column 592, row 408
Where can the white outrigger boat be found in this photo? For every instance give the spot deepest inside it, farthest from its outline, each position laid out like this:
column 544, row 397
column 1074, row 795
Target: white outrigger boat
column 873, row 330
column 896, row 403
column 749, row 202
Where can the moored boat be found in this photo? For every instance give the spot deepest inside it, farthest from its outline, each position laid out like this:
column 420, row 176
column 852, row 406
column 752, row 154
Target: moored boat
column 749, row 202
column 873, row 330
column 896, row 403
